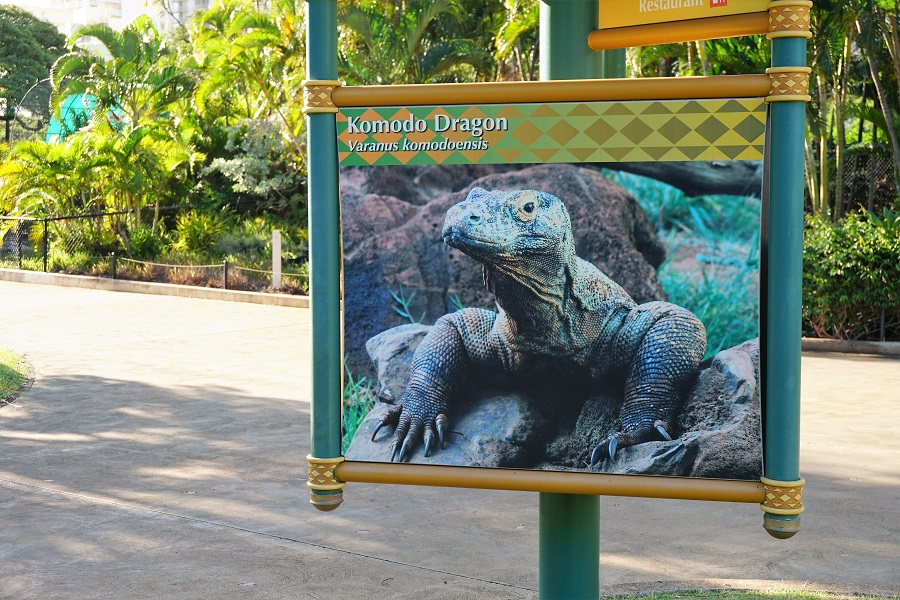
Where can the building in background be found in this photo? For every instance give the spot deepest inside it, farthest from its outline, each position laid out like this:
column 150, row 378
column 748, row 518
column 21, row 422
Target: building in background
column 178, row 12
column 70, row 14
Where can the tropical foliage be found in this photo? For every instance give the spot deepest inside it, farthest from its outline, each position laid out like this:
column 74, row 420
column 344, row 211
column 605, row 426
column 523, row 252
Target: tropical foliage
column 209, row 117
column 28, row 47
column 851, row 288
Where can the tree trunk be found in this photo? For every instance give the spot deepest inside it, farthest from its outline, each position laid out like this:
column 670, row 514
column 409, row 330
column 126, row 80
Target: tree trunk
column 736, row 177
column 840, row 95
column 884, row 101
column 812, row 184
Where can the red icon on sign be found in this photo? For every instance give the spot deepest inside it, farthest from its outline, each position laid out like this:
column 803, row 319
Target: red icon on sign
column 715, row 3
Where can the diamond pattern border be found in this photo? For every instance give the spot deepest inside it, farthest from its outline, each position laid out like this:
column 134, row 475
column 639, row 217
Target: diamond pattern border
column 635, row 131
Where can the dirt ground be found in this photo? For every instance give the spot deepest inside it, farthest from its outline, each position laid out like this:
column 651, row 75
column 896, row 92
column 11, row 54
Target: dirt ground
column 161, row 454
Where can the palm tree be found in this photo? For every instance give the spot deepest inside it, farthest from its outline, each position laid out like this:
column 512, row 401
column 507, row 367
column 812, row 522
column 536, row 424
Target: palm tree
column 381, row 44
column 136, row 91
column 253, row 64
column 128, row 73
column 37, row 178
column 516, row 39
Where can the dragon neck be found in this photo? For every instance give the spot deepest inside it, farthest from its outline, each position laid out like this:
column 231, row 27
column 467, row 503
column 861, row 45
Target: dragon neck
column 532, row 293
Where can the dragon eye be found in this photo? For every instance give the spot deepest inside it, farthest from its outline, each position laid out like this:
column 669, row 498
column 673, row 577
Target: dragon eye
column 527, row 208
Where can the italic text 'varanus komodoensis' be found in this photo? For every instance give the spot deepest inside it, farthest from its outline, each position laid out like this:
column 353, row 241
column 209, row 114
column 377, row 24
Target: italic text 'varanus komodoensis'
column 558, row 316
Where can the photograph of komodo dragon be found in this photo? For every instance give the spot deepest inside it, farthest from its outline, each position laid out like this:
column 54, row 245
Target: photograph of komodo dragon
column 558, row 317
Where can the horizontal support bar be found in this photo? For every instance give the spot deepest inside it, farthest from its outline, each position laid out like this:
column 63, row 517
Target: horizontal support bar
column 638, row 486
column 575, row 90
column 679, row 31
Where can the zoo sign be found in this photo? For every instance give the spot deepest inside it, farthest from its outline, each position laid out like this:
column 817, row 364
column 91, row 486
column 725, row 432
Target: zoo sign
column 461, row 280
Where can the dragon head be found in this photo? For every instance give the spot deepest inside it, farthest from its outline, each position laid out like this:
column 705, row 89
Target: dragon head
column 510, row 227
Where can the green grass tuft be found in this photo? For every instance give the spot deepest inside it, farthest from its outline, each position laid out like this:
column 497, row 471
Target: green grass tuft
column 359, row 399
column 712, row 267
column 13, row 375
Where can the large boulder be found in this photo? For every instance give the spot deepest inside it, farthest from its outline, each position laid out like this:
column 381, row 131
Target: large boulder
column 503, row 423
column 392, row 219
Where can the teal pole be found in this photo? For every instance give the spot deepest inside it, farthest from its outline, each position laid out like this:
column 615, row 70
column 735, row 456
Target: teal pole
column 324, row 248
column 569, row 553
column 564, row 30
column 613, row 63
column 784, row 288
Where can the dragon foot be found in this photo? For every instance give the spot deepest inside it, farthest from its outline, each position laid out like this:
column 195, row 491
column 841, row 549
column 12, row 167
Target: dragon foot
column 411, row 429
column 607, row 448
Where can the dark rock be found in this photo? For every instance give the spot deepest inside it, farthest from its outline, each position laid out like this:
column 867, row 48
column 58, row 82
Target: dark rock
column 504, row 423
column 720, row 425
column 490, row 428
column 392, row 219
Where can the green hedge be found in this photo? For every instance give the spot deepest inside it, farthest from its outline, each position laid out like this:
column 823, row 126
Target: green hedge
column 851, row 273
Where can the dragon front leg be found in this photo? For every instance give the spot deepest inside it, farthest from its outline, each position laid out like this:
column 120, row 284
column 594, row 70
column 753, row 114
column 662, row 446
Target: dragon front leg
column 665, row 363
column 441, row 364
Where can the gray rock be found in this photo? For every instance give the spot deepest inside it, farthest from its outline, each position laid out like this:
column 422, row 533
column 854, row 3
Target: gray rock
column 501, row 423
column 489, row 428
column 391, row 351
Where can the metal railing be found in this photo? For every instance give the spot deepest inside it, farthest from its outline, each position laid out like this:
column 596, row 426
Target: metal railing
column 89, row 245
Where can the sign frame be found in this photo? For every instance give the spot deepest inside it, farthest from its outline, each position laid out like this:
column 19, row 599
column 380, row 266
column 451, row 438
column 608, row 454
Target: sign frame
column 784, row 87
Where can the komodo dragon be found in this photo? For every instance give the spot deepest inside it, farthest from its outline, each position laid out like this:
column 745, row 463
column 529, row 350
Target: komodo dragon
column 558, row 315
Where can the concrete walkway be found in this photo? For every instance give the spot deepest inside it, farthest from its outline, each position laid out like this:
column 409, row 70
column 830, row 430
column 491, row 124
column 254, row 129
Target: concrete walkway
column 161, row 454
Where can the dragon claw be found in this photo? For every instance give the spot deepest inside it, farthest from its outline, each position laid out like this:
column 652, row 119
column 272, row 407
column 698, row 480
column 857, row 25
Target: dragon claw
column 441, row 423
column 391, row 417
column 393, row 451
column 596, row 454
column 605, row 449
column 661, row 428
column 429, row 439
column 405, row 450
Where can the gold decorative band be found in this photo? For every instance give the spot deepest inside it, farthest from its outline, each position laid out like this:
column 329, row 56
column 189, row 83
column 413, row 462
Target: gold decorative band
column 789, row 19
column 321, row 473
column 317, row 96
column 783, row 497
column 788, row 83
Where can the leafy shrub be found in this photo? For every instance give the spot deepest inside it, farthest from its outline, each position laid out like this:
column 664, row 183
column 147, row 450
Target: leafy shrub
column 851, row 273
column 259, row 164
column 144, row 243
column 77, row 262
column 359, row 399
column 198, row 231
column 707, row 217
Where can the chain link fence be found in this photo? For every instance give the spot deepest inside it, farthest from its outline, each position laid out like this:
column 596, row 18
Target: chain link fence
column 868, row 183
column 92, row 245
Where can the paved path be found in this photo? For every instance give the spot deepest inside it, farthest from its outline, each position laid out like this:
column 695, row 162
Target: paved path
column 161, row 454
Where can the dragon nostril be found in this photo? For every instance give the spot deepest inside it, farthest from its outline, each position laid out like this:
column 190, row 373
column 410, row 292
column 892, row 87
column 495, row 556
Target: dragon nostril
column 473, row 218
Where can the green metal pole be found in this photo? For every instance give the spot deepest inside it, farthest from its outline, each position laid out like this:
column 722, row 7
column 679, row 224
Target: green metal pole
column 565, row 25
column 569, row 554
column 613, row 63
column 324, row 246
column 784, row 267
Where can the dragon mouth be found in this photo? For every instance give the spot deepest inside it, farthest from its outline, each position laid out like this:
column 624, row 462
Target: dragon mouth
column 460, row 240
